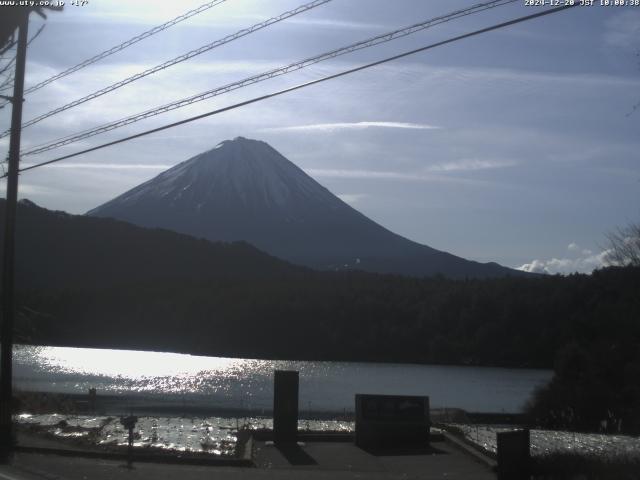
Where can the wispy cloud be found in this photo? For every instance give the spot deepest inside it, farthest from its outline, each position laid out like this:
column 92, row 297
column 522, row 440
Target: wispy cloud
column 389, row 175
column 622, row 30
column 334, row 23
column 147, row 16
column 107, row 166
column 351, row 197
column 361, row 174
column 496, row 79
column 331, row 127
column 470, row 165
column 577, row 260
column 427, row 174
column 31, row 189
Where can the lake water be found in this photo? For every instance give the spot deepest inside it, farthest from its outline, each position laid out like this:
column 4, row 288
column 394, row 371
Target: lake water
column 247, row 384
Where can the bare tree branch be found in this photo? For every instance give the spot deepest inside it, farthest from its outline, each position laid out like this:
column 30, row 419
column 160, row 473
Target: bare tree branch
column 5, row 49
column 7, row 83
column 624, row 245
column 8, row 46
column 6, row 67
column 36, row 34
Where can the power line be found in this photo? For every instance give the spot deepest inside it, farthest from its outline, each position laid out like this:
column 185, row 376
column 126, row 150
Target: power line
column 174, row 61
column 379, row 39
column 303, row 85
column 124, row 45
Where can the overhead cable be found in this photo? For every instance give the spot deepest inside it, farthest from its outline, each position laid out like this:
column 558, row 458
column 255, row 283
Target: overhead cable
column 124, row 45
column 303, row 85
column 379, row 39
column 174, row 61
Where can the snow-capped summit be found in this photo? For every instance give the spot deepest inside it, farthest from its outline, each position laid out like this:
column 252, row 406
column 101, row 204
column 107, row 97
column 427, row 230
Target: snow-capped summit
column 240, row 170
column 245, row 190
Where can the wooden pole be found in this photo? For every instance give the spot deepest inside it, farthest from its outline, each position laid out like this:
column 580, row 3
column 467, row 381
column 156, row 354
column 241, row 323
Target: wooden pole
column 8, row 273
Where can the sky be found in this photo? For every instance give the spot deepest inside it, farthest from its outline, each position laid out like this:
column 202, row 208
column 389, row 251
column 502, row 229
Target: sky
column 518, row 146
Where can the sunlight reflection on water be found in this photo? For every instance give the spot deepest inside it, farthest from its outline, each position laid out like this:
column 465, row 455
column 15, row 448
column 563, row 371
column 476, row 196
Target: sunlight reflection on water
column 247, row 383
column 132, row 364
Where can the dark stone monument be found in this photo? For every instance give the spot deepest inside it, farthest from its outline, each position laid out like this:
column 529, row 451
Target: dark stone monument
column 392, row 421
column 285, row 406
column 513, row 455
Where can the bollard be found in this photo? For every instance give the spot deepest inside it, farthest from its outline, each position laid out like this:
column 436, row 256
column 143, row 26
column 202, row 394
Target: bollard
column 513, row 455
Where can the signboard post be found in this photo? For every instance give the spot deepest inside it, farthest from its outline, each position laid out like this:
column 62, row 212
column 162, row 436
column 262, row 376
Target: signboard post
column 285, row 406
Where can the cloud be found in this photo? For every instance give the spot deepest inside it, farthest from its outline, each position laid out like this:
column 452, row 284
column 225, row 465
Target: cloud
column 106, row 166
column 361, row 174
column 332, row 127
column 622, row 30
column 30, row 189
column 333, row 23
column 389, row 175
column 143, row 12
column 511, row 76
column 351, row 197
column 470, row 164
column 582, row 260
column 426, row 174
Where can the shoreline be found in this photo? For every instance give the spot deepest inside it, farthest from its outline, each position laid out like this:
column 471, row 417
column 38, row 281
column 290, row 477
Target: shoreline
column 42, row 402
column 154, row 405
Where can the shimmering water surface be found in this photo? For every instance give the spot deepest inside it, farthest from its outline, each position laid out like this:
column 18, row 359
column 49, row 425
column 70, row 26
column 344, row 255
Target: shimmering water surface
column 248, row 383
column 214, row 435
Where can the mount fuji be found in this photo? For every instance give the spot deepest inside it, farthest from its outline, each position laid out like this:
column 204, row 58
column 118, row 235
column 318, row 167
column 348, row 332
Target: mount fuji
column 245, row 190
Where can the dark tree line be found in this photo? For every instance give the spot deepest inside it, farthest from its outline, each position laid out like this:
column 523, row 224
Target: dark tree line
column 348, row 316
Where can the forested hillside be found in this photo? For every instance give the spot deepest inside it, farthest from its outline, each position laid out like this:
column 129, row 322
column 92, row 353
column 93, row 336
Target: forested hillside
column 103, row 283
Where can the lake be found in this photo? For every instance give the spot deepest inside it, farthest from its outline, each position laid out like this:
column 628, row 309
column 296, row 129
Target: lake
column 247, row 384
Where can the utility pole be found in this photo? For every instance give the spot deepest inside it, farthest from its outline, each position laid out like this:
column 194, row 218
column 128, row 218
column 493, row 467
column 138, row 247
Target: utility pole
column 8, row 287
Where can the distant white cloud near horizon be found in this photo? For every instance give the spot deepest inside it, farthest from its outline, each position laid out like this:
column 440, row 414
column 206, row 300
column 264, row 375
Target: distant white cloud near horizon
column 579, row 260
